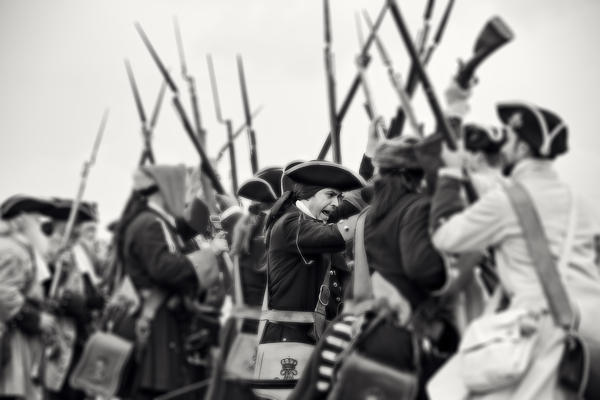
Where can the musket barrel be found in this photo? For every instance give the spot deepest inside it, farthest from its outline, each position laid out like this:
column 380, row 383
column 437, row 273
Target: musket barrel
column 156, row 59
column 248, row 116
column 441, row 121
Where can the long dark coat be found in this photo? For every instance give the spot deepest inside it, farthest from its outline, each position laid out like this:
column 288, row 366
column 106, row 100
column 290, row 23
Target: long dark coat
column 153, row 259
column 299, row 252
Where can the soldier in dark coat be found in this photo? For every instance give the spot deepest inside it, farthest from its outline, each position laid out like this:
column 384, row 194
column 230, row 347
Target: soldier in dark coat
column 152, row 254
column 303, row 248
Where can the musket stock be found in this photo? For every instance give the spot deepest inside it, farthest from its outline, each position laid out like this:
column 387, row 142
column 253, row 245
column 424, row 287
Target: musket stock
column 206, row 166
column 494, row 35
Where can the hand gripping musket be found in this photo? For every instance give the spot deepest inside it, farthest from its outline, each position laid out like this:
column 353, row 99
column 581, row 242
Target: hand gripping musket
column 236, row 134
column 206, row 166
column 413, row 79
column 396, row 80
column 353, row 87
column 201, row 132
column 226, row 122
column 247, row 116
column 147, row 128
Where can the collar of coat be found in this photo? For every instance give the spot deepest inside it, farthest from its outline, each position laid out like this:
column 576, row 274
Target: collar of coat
column 162, row 212
column 302, row 207
column 533, row 167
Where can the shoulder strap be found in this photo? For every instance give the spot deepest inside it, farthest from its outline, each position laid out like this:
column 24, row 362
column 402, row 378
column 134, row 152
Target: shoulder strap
column 362, row 288
column 537, row 245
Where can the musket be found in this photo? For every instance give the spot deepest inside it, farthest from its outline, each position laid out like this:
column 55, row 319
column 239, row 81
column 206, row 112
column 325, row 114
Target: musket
column 369, row 105
column 87, row 165
column 441, row 121
column 206, row 166
column 248, row 116
column 236, row 134
column 424, row 32
column 412, row 78
column 353, row 86
column 395, row 79
column 200, row 131
column 226, row 122
column 334, row 123
column 147, row 153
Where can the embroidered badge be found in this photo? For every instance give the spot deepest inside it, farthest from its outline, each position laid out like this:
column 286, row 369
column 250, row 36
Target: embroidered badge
column 289, row 370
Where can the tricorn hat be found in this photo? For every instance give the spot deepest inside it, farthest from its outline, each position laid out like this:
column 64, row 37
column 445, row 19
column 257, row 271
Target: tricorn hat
column 484, row 138
column 85, row 212
column 273, row 177
column 197, row 216
column 18, row 204
column 285, row 182
column 257, row 189
column 543, row 130
column 325, row 174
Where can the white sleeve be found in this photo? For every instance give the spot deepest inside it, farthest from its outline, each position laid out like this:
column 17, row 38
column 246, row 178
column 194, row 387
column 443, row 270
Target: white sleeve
column 477, row 227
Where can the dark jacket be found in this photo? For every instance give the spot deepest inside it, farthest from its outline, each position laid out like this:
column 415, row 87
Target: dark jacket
column 153, row 259
column 299, row 253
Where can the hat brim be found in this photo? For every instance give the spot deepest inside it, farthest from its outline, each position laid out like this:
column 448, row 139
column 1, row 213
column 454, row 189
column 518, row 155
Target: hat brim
column 257, row 189
column 326, row 175
column 86, row 212
column 26, row 204
column 273, row 177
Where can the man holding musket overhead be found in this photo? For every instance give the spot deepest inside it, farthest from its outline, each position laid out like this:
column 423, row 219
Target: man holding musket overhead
column 23, row 269
column 503, row 219
column 151, row 252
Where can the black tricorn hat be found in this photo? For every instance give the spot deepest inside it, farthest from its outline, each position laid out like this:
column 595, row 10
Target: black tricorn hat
column 325, row 174
column 273, row 177
column 18, row 204
column 86, row 211
column 484, row 138
column 257, row 189
column 286, row 183
column 543, row 130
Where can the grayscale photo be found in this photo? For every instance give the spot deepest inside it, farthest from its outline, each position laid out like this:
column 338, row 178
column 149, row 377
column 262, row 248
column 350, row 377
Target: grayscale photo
column 299, row 200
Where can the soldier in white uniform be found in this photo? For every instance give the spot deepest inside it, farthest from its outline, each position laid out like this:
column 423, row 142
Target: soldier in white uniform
column 535, row 137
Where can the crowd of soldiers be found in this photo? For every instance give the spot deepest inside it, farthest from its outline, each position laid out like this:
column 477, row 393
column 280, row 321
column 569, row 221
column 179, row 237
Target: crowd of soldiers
column 449, row 267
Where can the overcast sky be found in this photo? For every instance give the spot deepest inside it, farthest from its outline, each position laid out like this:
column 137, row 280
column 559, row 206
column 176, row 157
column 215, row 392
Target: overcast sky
column 62, row 64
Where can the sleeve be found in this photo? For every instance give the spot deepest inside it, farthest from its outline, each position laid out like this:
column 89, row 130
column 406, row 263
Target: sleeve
column 422, row 263
column 312, row 237
column 152, row 247
column 12, row 279
column 477, row 227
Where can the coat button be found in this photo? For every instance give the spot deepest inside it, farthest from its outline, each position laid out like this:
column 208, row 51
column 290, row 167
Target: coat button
column 331, row 272
column 338, row 299
column 284, row 339
column 335, row 284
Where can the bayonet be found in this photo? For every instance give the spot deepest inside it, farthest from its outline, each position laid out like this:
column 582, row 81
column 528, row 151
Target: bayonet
column 206, row 166
column 248, row 116
column 191, row 84
column 226, row 122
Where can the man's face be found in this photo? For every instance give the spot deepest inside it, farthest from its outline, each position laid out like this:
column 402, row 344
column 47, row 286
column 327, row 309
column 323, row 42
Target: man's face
column 323, row 203
column 510, row 152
